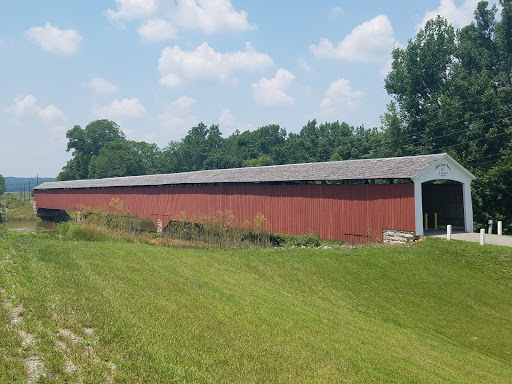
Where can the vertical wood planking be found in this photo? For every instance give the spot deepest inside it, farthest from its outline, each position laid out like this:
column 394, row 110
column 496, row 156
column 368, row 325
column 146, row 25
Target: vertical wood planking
column 349, row 212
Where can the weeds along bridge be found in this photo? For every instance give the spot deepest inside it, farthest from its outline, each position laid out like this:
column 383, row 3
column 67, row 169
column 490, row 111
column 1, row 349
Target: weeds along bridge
column 358, row 201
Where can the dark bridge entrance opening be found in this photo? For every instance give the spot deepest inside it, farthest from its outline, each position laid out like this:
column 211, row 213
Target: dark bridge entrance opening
column 445, row 199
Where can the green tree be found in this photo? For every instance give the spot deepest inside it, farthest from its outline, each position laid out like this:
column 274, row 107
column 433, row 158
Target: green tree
column 417, row 82
column 202, row 148
column 452, row 92
column 86, row 143
column 267, row 141
column 125, row 158
column 259, row 162
column 171, row 157
column 492, row 194
column 393, row 140
column 504, row 43
column 335, row 157
column 295, row 150
column 2, row 185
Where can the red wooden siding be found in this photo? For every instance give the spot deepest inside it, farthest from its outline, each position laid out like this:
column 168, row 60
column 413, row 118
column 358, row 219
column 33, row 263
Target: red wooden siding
column 352, row 212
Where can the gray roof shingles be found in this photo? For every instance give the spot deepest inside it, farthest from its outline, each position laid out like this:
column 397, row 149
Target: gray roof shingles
column 385, row 168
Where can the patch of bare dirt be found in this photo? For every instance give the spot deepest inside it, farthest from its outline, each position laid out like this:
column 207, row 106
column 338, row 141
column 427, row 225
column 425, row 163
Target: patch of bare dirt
column 33, row 363
column 17, row 314
column 69, row 367
column 35, row 368
column 66, row 337
column 27, row 340
column 69, row 334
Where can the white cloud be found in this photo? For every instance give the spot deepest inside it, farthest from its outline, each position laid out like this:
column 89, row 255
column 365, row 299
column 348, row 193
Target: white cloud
column 226, row 118
column 58, row 133
column 132, row 9
column 229, row 124
column 178, row 117
column 55, row 40
column 23, row 106
column 184, row 103
column 304, row 65
column 458, row 16
column 171, row 80
column 51, row 113
column 339, row 98
column 27, row 107
column 101, row 85
column 120, row 109
column 371, row 41
column 210, row 16
column 157, row 30
column 176, row 65
column 272, row 92
column 335, row 13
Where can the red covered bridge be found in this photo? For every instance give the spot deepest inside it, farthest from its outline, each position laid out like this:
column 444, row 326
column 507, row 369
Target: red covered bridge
column 351, row 200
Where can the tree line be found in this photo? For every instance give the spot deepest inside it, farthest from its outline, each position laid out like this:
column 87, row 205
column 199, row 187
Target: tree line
column 102, row 150
column 451, row 92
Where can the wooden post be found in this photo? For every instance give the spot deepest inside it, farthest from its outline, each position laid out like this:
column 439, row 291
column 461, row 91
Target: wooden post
column 426, row 221
column 435, row 220
column 448, row 232
column 482, row 236
column 500, row 228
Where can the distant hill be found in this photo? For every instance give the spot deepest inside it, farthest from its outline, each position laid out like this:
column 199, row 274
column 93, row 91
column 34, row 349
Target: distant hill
column 13, row 184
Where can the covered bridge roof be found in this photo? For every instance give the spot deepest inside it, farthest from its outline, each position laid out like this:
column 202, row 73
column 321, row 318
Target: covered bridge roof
column 386, row 168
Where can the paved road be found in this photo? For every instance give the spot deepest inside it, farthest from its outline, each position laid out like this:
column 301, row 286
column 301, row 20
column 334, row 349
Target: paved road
column 505, row 241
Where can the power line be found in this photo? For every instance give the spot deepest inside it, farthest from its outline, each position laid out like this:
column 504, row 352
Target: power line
column 470, row 141
column 460, row 131
column 458, row 121
column 484, row 157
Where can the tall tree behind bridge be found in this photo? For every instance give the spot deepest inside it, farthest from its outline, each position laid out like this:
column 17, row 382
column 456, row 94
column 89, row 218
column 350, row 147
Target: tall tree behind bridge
column 452, row 92
column 86, row 143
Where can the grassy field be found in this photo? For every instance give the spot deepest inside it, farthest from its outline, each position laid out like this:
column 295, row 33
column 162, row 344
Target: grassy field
column 116, row 311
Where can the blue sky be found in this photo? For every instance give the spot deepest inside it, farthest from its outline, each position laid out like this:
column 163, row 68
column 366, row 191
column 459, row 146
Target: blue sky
column 158, row 67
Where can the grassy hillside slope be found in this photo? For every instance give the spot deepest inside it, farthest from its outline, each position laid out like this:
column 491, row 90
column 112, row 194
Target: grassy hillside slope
column 111, row 311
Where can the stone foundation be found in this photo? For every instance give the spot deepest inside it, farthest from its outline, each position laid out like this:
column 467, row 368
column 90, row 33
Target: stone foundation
column 394, row 236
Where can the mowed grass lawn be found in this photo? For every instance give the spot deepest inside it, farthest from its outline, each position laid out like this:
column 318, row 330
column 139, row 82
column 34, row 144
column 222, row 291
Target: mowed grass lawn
column 113, row 311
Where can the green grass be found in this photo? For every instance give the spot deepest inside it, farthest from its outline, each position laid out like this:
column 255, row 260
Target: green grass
column 435, row 312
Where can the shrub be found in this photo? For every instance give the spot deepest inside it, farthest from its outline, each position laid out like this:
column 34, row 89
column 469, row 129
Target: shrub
column 221, row 230
column 73, row 231
column 306, row 240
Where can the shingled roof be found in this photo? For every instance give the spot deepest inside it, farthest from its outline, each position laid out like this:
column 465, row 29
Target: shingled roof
column 385, row 168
